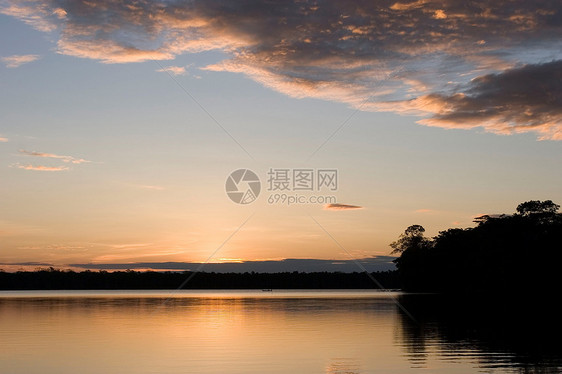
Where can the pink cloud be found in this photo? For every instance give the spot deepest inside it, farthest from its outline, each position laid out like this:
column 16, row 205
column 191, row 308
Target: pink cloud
column 68, row 159
column 174, row 70
column 16, row 61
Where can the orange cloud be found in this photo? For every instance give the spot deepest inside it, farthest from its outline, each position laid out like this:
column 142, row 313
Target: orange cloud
column 408, row 6
column 424, row 211
column 341, row 207
column 35, row 15
column 41, row 167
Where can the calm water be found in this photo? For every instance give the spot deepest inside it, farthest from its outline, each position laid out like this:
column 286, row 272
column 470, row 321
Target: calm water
column 259, row 332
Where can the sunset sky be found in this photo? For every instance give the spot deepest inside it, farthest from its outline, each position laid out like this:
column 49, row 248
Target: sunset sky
column 120, row 122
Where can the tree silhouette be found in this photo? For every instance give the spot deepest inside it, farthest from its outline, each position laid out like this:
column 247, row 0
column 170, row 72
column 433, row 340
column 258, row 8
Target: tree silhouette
column 503, row 253
column 412, row 263
column 537, row 207
column 412, row 238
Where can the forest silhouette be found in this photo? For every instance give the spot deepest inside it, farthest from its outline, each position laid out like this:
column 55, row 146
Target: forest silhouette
column 54, row 279
column 504, row 253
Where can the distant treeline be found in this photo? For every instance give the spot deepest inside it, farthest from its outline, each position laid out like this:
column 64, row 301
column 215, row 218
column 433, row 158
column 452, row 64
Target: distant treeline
column 53, row 279
column 505, row 253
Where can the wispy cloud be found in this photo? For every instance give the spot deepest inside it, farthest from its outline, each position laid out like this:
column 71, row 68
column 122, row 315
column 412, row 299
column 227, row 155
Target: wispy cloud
column 133, row 256
column 128, row 245
column 26, row 263
column 149, row 187
column 56, row 247
column 152, row 187
column 3, row 139
column 40, row 167
column 64, row 159
column 13, row 228
column 16, row 61
column 174, row 70
column 446, row 61
column 341, row 207
column 68, row 159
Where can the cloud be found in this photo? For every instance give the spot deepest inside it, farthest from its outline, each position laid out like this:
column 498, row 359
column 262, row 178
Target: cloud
column 424, row 211
column 65, row 159
column 27, row 263
column 150, row 187
column 56, row 247
column 3, row 140
column 377, row 263
column 434, row 58
column 128, row 245
column 175, row 70
column 341, row 207
column 14, row 229
column 35, row 14
column 68, row 159
column 516, row 100
column 40, row 167
column 16, row 61
column 126, row 256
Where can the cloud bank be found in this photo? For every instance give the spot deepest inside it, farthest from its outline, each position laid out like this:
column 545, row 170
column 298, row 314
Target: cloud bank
column 378, row 263
column 456, row 64
column 517, row 100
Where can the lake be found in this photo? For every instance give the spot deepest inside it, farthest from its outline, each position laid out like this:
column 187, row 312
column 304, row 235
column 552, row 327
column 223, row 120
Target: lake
column 344, row 332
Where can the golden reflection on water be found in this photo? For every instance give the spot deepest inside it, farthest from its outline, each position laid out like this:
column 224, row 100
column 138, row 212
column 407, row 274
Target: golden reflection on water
column 216, row 332
column 210, row 333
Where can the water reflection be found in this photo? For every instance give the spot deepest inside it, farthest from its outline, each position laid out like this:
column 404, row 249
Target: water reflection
column 293, row 332
column 517, row 336
column 344, row 366
column 241, row 333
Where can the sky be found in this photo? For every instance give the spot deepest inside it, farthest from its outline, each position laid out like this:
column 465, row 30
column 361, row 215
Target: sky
column 121, row 121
